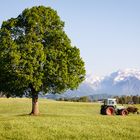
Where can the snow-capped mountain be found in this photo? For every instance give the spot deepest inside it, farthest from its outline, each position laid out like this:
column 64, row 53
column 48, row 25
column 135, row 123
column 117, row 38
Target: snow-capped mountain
column 121, row 82
column 93, row 82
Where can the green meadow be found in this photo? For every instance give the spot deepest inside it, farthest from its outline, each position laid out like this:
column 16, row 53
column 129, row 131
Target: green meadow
column 63, row 121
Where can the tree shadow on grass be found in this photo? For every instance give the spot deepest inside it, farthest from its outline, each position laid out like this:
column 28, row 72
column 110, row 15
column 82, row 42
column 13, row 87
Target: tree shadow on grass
column 46, row 115
column 23, row 115
column 42, row 115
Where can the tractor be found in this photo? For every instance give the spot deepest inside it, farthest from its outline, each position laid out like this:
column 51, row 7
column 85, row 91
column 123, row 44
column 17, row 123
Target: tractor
column 110, row 107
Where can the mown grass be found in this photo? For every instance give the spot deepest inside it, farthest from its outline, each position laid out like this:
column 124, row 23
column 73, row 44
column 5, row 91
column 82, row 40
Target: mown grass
column 63, row 121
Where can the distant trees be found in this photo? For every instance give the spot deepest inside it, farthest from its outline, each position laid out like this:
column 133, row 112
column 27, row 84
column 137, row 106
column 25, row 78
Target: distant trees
column 84, row 99
column 128, row 99
column 135, row 99
column 75, row 99
column 120, row 99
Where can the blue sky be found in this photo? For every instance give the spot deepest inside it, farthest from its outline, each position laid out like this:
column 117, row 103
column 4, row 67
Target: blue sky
column 106, row 31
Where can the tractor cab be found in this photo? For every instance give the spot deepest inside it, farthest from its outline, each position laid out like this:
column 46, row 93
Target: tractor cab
column 110, row 102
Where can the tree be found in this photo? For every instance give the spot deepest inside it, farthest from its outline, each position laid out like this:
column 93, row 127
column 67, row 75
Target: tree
column 135, row 99
column 37, row 55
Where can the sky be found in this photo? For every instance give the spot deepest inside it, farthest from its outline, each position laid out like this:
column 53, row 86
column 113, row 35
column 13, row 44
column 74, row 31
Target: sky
column 107, row 32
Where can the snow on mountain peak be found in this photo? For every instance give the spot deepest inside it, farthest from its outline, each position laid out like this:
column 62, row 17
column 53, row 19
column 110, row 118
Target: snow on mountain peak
column 120, row 82
column 90, row 79
column 117, row 76
column 123, row 74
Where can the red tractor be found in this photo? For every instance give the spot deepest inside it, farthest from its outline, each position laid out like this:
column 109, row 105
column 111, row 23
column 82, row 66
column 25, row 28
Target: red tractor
column 110, row 107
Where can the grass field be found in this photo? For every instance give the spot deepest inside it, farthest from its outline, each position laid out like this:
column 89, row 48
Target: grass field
column 63, row 121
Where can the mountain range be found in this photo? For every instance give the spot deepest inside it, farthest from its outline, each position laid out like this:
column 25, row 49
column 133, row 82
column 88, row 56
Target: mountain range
column 121, row 82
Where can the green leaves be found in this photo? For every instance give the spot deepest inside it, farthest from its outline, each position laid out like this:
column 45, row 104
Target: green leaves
column 35, row 50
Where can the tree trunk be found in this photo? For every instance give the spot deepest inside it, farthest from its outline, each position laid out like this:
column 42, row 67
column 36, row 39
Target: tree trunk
column 35, row 109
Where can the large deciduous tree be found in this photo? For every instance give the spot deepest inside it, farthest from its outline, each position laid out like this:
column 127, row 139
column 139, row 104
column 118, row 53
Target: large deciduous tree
column 37, row 55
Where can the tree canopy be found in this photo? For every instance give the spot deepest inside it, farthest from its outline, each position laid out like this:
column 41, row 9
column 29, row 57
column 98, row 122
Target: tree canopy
column 36, row 54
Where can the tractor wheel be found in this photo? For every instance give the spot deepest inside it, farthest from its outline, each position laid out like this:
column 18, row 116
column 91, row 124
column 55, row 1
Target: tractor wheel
column 110, row 111
column 102, row 111
column 123, row 112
